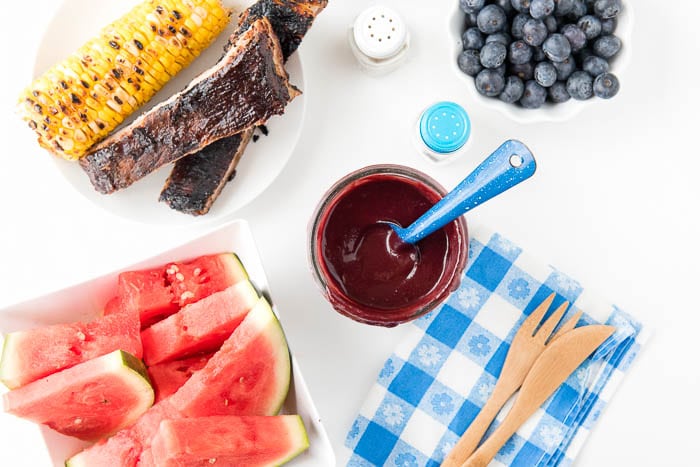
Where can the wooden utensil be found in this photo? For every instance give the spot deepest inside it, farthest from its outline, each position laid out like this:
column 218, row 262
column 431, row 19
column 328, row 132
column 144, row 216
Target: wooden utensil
column 524, row 350
column 550, row 370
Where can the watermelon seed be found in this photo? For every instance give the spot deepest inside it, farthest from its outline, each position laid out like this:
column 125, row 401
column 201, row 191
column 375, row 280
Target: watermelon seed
column 179, row 277
column 186, row 294
column 197, row 271
column 212, row 460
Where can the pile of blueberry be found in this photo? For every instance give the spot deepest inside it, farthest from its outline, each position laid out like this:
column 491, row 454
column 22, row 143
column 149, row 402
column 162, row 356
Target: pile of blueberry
column 529, row 51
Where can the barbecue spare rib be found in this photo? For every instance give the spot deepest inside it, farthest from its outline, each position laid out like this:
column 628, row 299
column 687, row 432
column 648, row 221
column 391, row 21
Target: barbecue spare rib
column 197, row 180
column 246, row 87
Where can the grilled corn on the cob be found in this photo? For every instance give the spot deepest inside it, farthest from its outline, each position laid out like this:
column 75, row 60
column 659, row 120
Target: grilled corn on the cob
column 81, row 99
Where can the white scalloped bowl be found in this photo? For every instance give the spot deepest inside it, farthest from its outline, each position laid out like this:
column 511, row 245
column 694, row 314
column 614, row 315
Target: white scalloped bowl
column 548, row 112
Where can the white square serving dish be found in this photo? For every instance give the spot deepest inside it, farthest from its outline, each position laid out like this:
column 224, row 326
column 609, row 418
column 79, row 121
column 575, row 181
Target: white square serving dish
column 23, row 443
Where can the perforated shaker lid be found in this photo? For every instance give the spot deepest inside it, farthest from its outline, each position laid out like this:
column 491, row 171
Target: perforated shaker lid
column 445, row 127
column 379, row 32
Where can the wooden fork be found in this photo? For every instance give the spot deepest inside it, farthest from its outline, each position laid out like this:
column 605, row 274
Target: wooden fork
column 527, row 345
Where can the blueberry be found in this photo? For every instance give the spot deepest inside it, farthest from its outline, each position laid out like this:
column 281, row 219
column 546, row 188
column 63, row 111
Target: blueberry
column 519, row 52
column 491, row 19
column 575, row 36
column 579, row 9
column 533, row 96
column 606, row 85
column 538, row 54
column 469, row 62
column 472, row 39
column 523, row 6
column 534, row 31
column 516, row 28
column 608, row 26
column 471, row 6
column 493, row 54
column 523, row 71
column 607, row 8
column 501, row 69
column 556, row 47
column 590, row 25
column 607, row 46
column 580, row 85
column 558, row 93
column 513, row 90
column 565, row 68
column 545, row 74
column 594, row 65
column 490, row 83
column 505, row 5
column 500, row 37
column 541, row 8
column 564, row 7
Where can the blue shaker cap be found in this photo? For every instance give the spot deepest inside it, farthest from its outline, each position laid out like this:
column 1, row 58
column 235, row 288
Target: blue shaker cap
column 445, row 127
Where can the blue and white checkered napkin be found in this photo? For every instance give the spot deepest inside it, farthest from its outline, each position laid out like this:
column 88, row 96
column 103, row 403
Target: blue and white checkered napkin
column 440, row 376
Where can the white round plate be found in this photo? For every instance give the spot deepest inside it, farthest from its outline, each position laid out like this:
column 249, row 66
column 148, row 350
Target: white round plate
column 78, row 20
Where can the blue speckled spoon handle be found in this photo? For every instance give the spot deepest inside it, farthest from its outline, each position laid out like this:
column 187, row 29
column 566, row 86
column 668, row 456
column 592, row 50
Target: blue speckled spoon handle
column 509, row 165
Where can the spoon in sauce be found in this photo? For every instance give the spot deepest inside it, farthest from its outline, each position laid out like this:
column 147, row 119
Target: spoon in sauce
column 507, row 166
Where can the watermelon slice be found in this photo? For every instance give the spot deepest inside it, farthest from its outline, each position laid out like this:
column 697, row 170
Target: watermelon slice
column 199, row 327
column 125, row 448
column 166, row 378
column 30, row 355
column 88, row 401
column 159, row 292
column 249, row 375
column 229, row 440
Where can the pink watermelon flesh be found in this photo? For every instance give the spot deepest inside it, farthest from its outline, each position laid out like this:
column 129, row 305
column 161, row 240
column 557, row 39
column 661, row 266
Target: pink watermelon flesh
column 125, row 448
column 249, row 375
column 166, row 378
column 88, row 401
column 159, row 292
column 30, row 355
column 229, row 440
column 114, row 305
column 199, row 327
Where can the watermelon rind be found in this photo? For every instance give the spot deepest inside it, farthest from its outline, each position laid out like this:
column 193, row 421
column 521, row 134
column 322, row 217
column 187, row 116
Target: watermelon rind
column 301, row 438
column 235, row 266
column 262, row 312
column 6, row 363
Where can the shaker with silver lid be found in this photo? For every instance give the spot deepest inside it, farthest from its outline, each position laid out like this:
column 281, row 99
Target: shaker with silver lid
column 379, row 39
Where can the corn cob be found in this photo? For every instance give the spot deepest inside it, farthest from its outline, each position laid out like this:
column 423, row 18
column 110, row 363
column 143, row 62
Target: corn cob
column 82, row 99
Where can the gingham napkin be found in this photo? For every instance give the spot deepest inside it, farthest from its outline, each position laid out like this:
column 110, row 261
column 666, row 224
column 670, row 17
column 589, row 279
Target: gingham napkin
column 439, row 377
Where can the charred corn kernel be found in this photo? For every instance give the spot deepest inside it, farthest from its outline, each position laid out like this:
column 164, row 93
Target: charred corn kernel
column 84, row 97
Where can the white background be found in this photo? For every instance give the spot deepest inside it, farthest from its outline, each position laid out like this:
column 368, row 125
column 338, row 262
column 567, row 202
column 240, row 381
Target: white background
column 614, row 204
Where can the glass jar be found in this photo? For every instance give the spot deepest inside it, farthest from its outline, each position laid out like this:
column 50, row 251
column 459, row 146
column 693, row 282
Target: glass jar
column 337, row 234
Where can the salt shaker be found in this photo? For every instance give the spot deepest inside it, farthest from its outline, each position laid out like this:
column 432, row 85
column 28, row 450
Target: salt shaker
column 379, row 40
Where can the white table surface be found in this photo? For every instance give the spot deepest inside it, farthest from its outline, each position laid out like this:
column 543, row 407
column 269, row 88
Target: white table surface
column 614, row 204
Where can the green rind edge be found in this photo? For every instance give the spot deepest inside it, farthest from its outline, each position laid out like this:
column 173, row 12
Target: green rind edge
column 135, row 364
column 278, row 325
column 301, row 449
column 239, row 263
column 4, row 358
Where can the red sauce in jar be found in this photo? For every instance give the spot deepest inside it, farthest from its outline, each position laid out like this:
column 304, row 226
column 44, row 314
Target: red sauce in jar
column 374, row 277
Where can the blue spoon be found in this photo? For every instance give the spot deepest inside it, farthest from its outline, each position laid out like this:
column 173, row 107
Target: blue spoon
column 509, row 165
